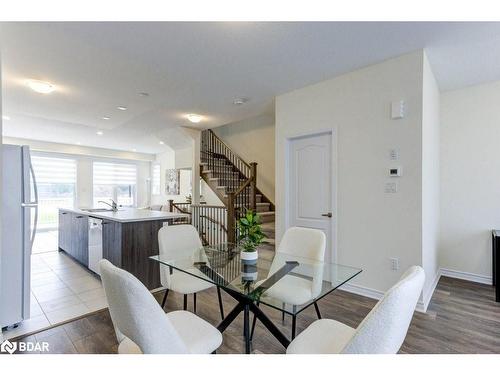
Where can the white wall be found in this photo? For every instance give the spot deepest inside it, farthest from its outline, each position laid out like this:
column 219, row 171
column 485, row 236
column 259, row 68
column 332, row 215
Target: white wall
column 372, row 226
column 253, row 140
column 1, row 155
column 169, row 160
column 470, row 177
column 430, row 179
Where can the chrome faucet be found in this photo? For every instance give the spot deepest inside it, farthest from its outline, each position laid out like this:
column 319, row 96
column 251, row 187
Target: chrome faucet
column 113, row 206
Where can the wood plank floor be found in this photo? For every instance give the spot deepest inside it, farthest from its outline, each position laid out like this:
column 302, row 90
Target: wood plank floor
column 462, row 318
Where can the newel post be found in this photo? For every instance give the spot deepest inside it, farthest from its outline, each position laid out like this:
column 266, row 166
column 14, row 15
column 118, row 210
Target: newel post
column 170, row 205
column 253, row 186
column 231, row 218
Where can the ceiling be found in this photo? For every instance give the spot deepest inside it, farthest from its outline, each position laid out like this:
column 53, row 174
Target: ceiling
column 201, row 68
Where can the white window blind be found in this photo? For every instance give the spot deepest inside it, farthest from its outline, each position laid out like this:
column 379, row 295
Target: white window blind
column 49, row 170
column 155, row 186
column 114, row 174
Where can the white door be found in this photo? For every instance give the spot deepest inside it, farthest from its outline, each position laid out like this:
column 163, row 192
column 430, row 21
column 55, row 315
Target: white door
column 310, row 193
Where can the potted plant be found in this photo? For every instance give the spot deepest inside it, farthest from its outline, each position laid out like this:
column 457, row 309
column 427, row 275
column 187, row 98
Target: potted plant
column 250, row 236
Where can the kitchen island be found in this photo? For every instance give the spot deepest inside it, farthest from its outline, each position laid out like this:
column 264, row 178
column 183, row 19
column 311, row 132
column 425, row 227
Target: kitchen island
column 128, row 238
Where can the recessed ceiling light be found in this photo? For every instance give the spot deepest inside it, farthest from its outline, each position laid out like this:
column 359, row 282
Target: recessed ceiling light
column 105, row 117
column 193, row 117
column 240, row 101
column 40, row 86
column 162, row 143
column 99, row 133
column 79, row 143
column 4, row 117
column 122, row 108
column 143, row 94
column 134, row 150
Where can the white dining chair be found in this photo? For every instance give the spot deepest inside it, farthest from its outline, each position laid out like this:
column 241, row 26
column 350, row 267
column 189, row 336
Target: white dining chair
column 381, row 332
column 176, row 241
column 298, row 242
column 142, row 326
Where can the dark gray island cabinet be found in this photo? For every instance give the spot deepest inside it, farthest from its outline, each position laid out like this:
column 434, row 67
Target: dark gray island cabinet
column 129, row 238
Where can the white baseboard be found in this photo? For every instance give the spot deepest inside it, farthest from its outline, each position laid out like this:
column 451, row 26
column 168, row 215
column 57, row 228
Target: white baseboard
column 421, row 305
column 362, row 291
column 377, row 294
column 466, row 276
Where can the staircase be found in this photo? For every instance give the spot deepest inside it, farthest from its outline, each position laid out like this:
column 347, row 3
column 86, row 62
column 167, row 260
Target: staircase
column 233, row 180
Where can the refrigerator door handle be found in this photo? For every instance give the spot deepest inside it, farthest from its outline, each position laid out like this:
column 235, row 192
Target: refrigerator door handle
column 35, row 221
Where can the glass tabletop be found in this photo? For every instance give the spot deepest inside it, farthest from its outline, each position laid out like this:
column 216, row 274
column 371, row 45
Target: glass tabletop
column 284, row 281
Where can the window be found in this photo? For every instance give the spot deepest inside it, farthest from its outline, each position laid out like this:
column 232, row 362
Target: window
column 114, row 181
column 155, row 184
column 56, row 184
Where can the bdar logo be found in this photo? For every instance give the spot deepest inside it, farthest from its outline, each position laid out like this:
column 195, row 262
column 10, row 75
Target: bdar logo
column 8, row 347
column 11, row 347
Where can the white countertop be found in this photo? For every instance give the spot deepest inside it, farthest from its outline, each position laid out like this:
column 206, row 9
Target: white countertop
column 127, row 215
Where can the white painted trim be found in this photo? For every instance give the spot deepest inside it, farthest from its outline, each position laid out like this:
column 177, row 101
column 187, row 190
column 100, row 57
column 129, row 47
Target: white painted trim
column 422, row 305
column 482, row 279
column 362, row 291
column 377, row 294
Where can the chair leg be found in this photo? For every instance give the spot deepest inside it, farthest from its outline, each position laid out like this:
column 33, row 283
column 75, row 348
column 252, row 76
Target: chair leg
column 185, row 302
column 221, row 307
column 214, row 352
column 317, row 310
column 194, row 302
column 294, row 325
column 164, row 299
column 283, row 313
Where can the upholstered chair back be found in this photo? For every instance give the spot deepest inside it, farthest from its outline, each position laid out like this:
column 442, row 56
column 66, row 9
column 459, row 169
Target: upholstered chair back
column 175, row 241
column 384, row 329
column 304, row 243
column 136, row 314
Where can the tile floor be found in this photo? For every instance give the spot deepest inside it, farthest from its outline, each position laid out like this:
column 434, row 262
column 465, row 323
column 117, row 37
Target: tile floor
column 61, row 289
column 45, row 241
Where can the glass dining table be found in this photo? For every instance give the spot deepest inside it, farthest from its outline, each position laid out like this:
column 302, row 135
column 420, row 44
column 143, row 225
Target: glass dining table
column 272, row 281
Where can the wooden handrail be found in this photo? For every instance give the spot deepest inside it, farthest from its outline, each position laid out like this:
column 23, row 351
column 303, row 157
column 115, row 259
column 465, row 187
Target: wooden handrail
column 229, row 148
column 212, row 220
column 242, row 187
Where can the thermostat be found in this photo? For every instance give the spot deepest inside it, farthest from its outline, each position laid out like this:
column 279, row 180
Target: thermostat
column 395, row 172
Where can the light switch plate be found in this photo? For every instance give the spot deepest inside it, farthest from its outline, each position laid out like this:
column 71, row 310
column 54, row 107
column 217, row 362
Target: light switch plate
column 398, row 109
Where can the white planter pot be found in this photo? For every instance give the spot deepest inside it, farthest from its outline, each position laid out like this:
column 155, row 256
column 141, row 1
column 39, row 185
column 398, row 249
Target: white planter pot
column 249, row 257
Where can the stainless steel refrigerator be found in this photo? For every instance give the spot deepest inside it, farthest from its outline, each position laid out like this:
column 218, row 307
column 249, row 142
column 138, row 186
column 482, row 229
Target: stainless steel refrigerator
column 19, row 218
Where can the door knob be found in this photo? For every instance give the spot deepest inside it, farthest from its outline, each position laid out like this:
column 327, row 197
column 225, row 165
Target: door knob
column 329, row 214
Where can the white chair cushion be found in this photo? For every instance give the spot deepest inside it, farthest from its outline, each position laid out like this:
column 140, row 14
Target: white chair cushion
column 127, row 346
column 198, row 335
column 324, row 336
column 183, row 283
column 290, row 289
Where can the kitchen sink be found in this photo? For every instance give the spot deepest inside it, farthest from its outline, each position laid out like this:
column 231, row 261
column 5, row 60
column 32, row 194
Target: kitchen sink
column 97, row 209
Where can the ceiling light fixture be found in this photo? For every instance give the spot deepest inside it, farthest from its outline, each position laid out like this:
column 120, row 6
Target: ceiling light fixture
column 193, row 117
column 40, row 86
column 143, row 94
column 4, row 117
column 79, row 143
column 105, row 117
column 134, row 150
column 162, row 143
column 99, row 133
column 240, row 101
column 122, row 108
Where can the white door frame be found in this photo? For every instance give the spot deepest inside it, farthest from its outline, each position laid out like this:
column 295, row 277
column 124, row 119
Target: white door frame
column 334, row 223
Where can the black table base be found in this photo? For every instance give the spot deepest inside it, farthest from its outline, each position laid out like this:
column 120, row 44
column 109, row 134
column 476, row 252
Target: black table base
column 246, row 305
